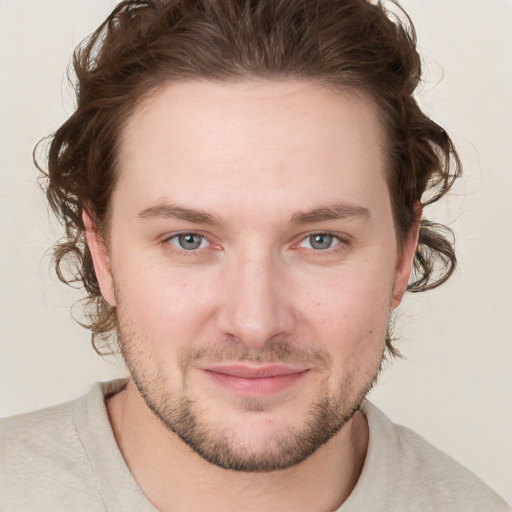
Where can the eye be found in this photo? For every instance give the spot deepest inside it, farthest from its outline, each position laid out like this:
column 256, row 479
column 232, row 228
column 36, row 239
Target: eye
column 189, row 241
column 320, row 241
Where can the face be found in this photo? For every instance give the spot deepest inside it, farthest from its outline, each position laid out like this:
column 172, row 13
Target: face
column 253, row 264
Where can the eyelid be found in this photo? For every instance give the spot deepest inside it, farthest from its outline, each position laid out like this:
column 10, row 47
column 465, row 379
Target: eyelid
column 166, row 240
column 202, row 238
column 343, row 240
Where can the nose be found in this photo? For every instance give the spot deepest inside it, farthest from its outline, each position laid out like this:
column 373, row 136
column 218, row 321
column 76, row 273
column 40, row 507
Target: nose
column 256, row 305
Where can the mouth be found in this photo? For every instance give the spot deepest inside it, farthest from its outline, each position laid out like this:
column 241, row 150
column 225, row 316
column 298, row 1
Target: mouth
column 256, row 381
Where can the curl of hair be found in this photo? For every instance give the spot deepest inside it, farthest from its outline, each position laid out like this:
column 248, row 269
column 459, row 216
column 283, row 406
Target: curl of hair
column 344, row 44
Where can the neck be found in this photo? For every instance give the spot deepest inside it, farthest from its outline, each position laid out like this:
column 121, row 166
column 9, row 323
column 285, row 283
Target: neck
column 173, row 477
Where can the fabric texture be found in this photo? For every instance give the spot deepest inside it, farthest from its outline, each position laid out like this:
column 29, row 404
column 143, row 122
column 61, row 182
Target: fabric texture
column 65, row 458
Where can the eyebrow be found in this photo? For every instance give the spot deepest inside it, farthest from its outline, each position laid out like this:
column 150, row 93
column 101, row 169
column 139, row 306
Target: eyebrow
column 321, row 214
column 330, row 212
column 171, row 211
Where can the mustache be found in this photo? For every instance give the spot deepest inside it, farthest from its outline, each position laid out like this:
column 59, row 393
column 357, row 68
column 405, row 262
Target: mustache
column 271, row 352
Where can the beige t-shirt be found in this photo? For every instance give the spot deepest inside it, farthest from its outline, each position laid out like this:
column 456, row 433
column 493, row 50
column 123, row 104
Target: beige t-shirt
column 65, row 458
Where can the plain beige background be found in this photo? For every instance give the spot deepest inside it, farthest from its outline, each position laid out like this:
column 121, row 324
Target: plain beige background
column 454, row 388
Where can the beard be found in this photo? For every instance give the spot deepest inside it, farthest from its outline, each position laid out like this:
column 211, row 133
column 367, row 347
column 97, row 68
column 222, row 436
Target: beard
column 184, row 416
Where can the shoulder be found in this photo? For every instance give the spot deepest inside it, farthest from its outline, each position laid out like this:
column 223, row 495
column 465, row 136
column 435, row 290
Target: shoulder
column 429, row 472
column 42, row 460
column 421, row 475
column 43, row 436
column 36, row 422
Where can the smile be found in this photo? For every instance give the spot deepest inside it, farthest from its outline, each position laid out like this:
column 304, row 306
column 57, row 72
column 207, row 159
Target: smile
column 256, row 381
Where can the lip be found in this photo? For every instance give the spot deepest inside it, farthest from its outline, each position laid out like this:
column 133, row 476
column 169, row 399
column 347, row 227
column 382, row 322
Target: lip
column 255, row 381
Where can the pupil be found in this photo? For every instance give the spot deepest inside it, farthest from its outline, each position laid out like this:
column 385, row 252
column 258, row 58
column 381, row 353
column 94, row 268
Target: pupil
column 321, row 241
column 190, row 241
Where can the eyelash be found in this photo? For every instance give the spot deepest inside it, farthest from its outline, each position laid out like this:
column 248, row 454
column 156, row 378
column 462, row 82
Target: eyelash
column 167, row 242
column 342, row 243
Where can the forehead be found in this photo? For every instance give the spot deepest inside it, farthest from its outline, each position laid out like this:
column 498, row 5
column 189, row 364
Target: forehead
column 237, row 143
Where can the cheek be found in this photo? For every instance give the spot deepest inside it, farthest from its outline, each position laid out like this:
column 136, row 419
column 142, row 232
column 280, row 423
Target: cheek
column 349, row 311
column 351, row 324
column 164, row 303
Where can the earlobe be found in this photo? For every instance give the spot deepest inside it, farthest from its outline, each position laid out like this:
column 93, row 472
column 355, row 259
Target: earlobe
column 100, row 259
column 406, row 259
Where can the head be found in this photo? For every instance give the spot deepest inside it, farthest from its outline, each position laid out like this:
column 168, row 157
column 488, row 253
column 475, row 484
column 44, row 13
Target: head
column 255, row 136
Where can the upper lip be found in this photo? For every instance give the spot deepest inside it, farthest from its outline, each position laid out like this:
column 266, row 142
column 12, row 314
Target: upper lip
column 255, row 372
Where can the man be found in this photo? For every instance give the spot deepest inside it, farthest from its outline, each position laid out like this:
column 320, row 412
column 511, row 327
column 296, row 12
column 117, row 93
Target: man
column 242, row 185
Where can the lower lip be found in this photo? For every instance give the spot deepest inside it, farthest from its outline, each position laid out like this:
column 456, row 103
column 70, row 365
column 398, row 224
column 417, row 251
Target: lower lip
column 262, row 386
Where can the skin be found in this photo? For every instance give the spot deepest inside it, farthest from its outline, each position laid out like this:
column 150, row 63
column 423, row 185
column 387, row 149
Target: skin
column 269, row 165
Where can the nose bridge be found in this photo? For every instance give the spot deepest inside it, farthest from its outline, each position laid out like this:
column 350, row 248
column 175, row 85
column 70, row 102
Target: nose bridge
column 255, row 307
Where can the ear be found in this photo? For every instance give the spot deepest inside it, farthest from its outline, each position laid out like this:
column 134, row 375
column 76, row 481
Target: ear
column 406, row 258
column 100, row 259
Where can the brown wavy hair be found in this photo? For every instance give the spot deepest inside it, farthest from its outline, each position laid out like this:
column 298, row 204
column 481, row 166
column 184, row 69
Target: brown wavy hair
column 344, row 44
